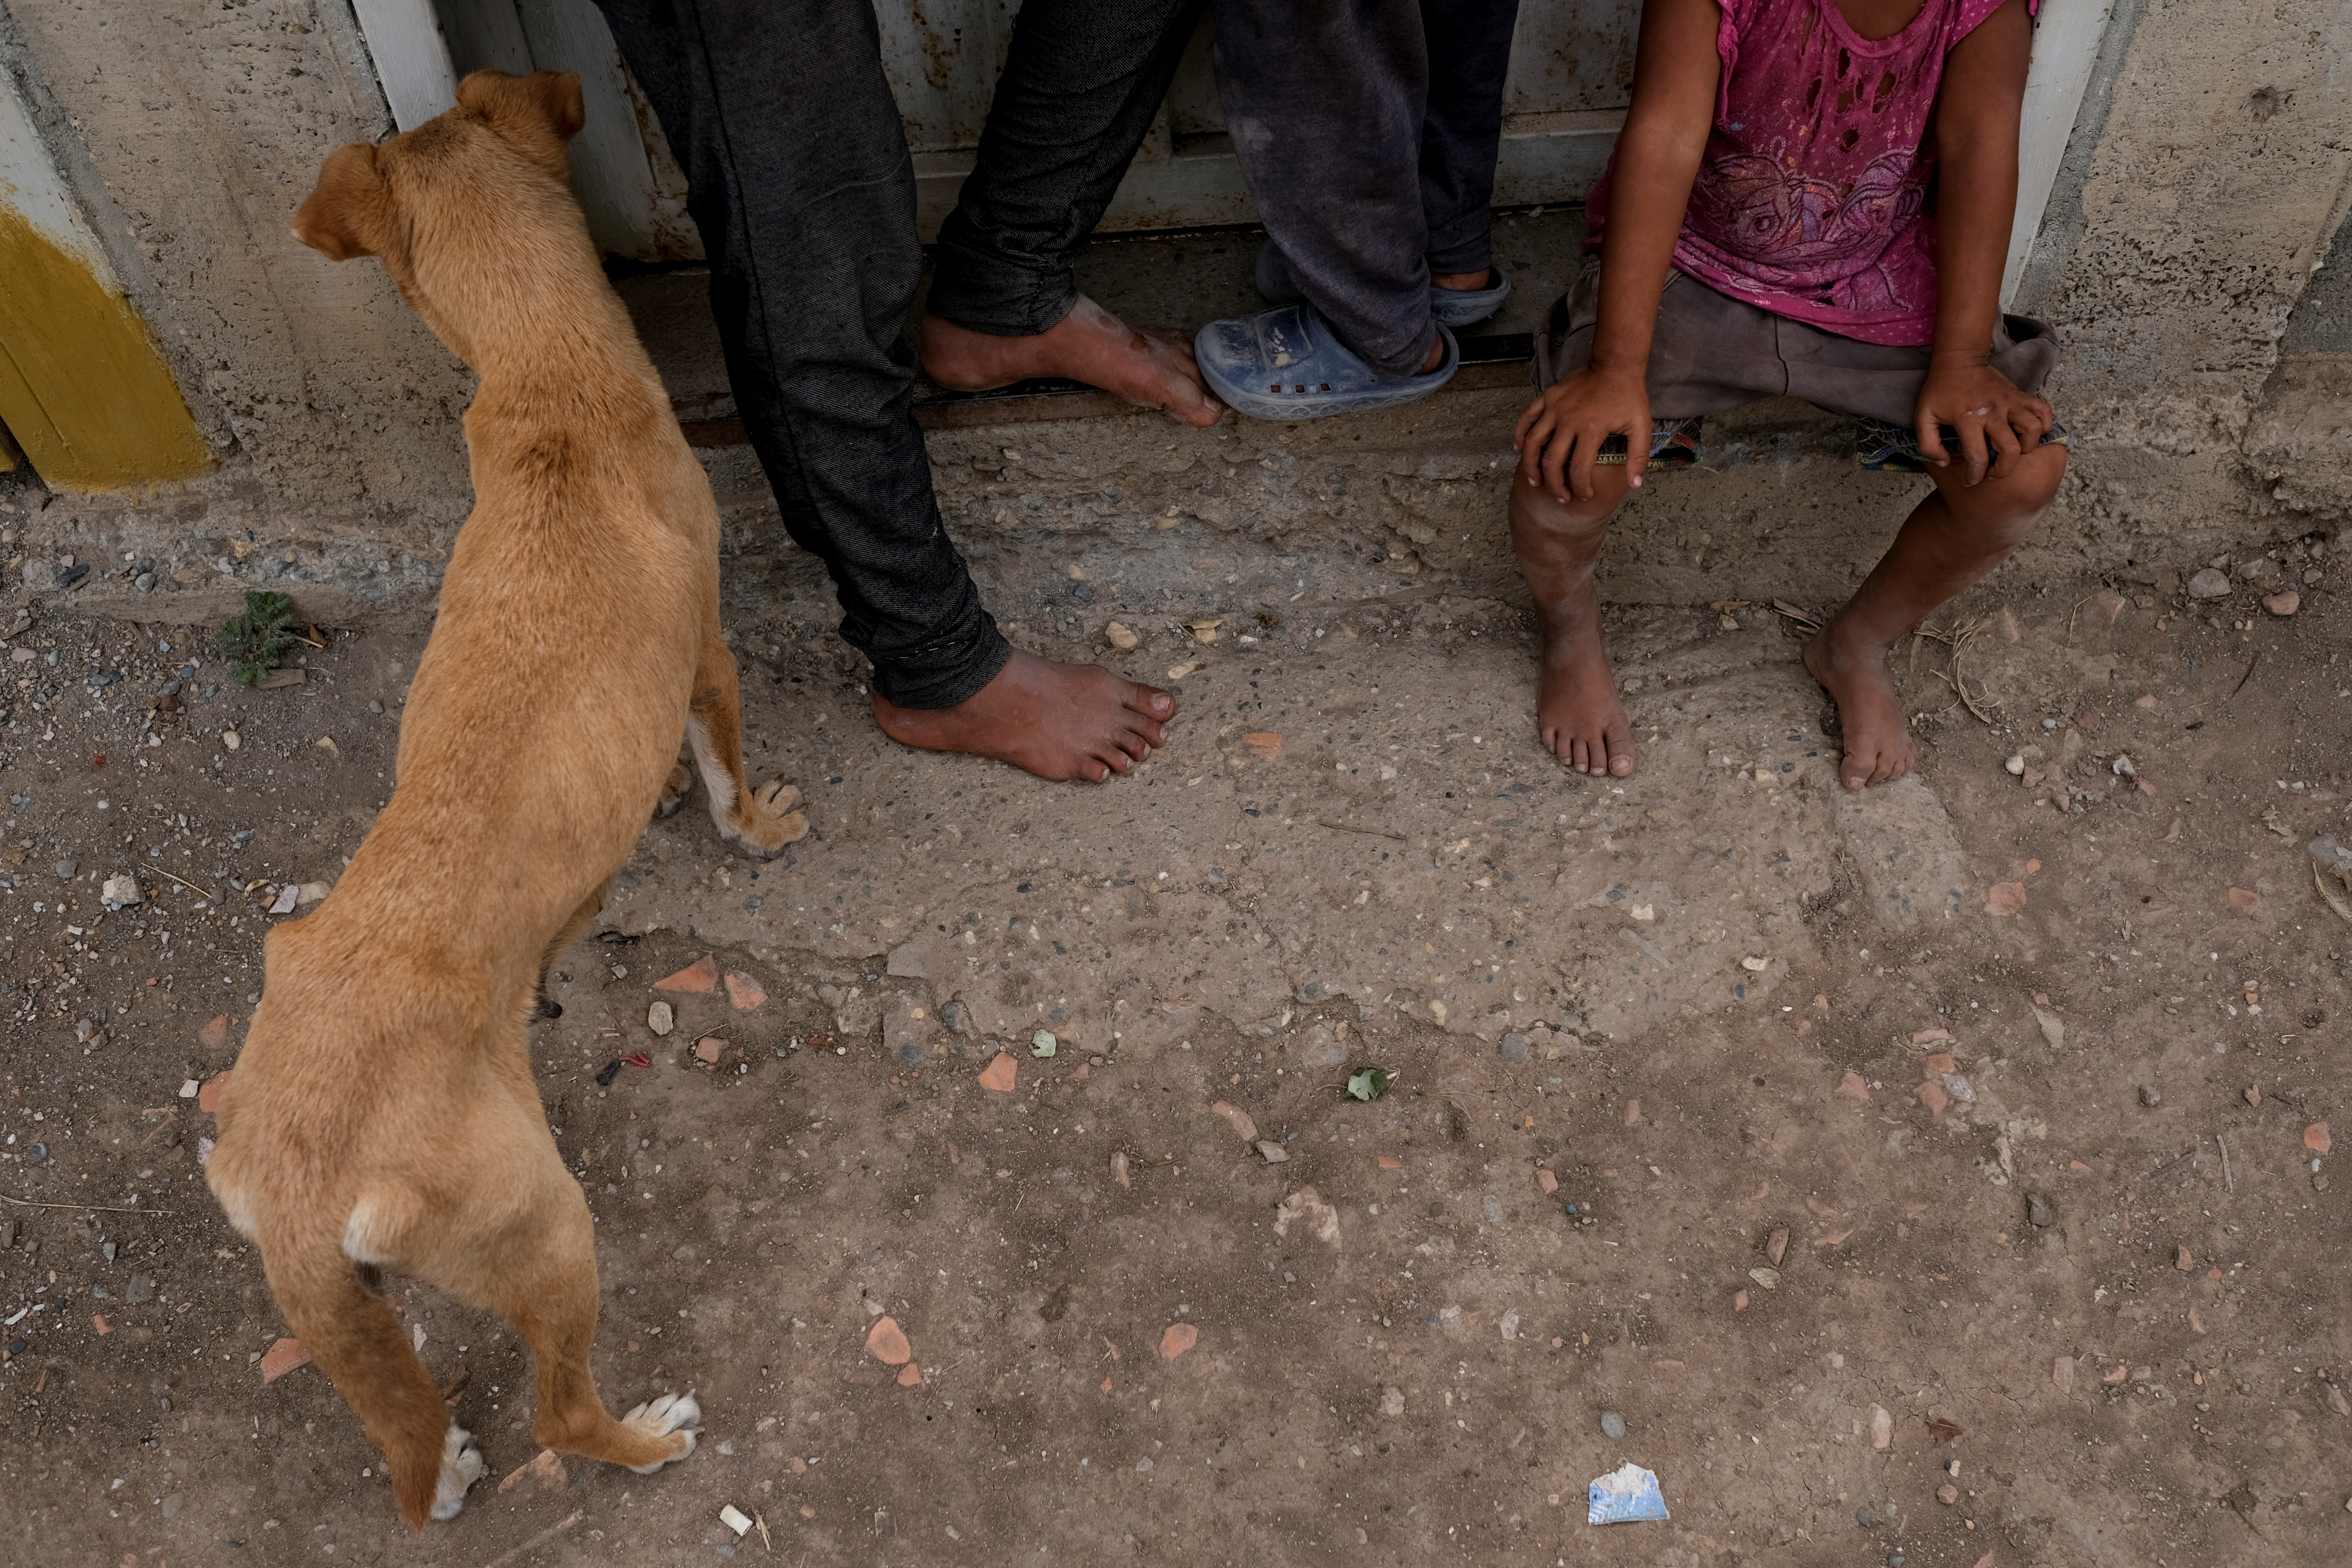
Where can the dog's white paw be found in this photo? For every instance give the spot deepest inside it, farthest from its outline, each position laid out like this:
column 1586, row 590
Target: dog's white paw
column 675, row 789
column 771, row 819
column 461, row 1467
column 672, row 1413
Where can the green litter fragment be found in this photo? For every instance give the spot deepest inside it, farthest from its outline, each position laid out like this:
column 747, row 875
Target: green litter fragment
column 1043, row 1044
column 1368, row 1083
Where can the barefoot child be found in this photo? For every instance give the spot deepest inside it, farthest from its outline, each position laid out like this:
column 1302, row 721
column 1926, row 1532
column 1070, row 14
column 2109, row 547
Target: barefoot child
column 1810, row 197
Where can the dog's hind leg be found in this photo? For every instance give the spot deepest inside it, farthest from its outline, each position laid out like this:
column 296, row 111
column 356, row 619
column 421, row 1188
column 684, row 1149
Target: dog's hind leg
column 354, row 1337
column 578, row 922
column 763, row 820
column 544, row 1282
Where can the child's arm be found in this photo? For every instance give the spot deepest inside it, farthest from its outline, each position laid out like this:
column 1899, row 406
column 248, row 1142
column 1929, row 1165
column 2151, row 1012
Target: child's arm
column 1674, row 79
column 1976, row 158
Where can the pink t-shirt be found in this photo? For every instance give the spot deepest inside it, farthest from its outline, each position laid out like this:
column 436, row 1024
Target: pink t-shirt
column 1810, row 200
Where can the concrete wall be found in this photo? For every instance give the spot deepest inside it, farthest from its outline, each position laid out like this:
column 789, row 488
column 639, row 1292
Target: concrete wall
column 2207, row 172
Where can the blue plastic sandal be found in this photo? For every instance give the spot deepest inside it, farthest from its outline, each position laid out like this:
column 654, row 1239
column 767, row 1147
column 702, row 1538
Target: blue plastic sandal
column 1286, row 363
column 1447, row 306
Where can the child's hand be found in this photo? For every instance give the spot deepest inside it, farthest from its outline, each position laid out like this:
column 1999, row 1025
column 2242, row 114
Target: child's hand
column 1997, row 423
column 1559, row 436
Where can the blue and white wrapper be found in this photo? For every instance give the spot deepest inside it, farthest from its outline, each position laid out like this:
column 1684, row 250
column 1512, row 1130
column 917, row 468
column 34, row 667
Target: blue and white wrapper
column 1626, row 1494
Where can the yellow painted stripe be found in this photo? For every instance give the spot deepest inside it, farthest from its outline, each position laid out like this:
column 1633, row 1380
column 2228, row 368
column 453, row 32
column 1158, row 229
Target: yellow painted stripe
column 82, row 387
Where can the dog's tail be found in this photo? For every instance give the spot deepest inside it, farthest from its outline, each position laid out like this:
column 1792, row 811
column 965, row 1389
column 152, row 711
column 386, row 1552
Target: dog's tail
column 352, row 1333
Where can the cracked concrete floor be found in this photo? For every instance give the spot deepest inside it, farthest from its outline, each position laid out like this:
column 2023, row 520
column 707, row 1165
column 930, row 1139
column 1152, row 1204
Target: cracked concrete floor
column 1969, row 1116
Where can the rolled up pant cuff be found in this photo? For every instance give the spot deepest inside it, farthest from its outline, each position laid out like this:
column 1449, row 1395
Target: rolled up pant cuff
column 943, row 671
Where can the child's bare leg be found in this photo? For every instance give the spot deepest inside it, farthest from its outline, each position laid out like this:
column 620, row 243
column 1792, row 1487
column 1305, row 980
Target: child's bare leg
column 1577, row 713
column 1951, row 539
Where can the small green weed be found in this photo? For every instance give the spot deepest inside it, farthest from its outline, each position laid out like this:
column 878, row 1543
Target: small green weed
column 256, row 640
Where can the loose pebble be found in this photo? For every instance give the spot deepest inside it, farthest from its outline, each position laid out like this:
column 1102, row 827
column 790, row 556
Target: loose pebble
column 230, row 739
column 2016, row 764
column 1121, row 638
column 707, row 1049
column 1613, row 1426
column 661, row 1019
column 1881, row 1427
column 1275, row 1155
column 1239, row 1119
column 2061, row 1372
column 1777, row 1246
column 2038, row 1209
column 2315, row 1138
column 2283, row 605
column 1515, row 1049
column 2208, row 583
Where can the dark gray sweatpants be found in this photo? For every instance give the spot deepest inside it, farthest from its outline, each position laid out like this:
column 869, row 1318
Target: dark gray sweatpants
column 798, row 176
column 1368, row 130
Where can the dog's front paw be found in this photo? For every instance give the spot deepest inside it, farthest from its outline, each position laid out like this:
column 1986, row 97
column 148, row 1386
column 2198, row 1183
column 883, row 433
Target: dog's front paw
column 461, row 1467
column 773, row 818
column 675, row 789
column 674, row 1416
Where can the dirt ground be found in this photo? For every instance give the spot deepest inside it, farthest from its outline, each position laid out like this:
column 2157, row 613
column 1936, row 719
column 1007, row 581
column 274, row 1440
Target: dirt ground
column 1927, row 1179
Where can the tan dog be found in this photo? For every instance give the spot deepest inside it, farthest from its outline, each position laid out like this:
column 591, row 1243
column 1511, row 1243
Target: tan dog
column 382, row 1114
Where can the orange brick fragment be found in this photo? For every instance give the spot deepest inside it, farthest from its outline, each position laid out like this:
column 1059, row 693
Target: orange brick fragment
column 215, row 1035
column 1000, row 1074
column 1390, row 1163
column 1852, row 1084
column 1180, row 1337
column 744, row 992
column 887, row 1343
column 2245, row 899
column 909, row 1375
column 282, row 1358
column 702, row 975
column 97, row 1321
column 208, row 1097
column 1546, row 1181
column 2315, row 1138
column 1933, row 1097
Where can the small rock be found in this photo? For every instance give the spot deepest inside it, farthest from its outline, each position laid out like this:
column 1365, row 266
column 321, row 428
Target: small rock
column 2149, row 1096
column 2061, row 1372
column 119, row 892
column 1756, row 965
column 66, row 869
column 209, row 1096
column 39, row 1154
column 1881, row 1427
column 2182, row 1260
column 1509, row 1325
column 1613, row 1426
column 1119, row 638
column 2253, row 1095
column 743, row 993
column 2038, row 1210
column 1515, row 1049
column 1241, row 1119
column 312, row 892
column 545, row 1471
column 1275, row 1155
column 1547, row 1181
column 1777, row 1248
column 1948, row 1494
column 910, row 961
column 2283, row 603
column 2208, row 583
column 2316, row 1138
column 661, row 1019
column 1768, row 1278
column 1391, row 1402
column 231, row 740
column 2016, row 764
column 1493, row 1207
column 707, row 1049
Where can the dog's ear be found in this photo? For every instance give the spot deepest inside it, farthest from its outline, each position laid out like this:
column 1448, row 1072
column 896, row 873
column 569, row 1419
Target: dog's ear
column 539, row 112
column 346, row 215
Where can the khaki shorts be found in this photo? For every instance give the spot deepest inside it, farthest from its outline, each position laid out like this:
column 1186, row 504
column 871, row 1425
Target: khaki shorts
column 1711, row 354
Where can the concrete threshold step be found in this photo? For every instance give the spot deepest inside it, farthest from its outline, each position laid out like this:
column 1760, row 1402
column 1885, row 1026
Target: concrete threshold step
column 1177, row 279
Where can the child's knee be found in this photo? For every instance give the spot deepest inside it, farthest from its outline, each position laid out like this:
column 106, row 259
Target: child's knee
column 2010, row 506
column 1574, row 520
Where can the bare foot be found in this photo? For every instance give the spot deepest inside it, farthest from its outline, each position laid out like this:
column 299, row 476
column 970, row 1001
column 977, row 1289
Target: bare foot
column 1057, row 720
column 1578, row 712
column 1152, row 368
column 1878, row 748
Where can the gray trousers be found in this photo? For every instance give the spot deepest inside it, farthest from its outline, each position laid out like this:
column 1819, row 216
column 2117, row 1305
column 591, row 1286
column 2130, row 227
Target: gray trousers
column 1368, row 130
